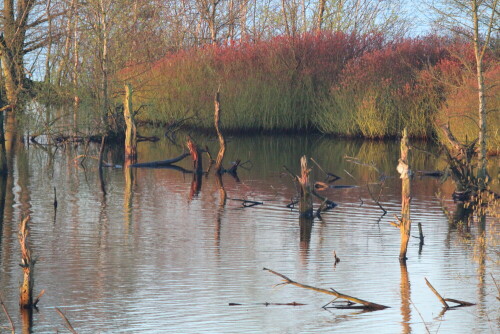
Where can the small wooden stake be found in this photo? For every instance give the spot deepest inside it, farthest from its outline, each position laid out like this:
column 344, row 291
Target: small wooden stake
column 131, row 130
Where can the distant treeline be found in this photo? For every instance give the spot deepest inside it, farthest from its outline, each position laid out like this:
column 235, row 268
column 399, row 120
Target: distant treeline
column 333, row 82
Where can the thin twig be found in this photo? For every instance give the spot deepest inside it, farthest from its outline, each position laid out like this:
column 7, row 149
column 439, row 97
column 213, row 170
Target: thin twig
column 68, row 324
column 12, row 328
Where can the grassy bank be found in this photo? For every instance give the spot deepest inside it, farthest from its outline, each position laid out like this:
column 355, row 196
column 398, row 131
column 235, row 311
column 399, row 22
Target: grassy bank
column 340, row 84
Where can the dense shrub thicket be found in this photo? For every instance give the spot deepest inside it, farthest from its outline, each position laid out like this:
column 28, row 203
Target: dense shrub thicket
column 336, row 83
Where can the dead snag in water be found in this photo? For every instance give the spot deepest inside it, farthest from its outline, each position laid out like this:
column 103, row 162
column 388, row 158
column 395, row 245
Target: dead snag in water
column 445, row 300
column 305, row 200
column 307, row 191
column 222, row 141
column 195, row 155
column 28, row 265
column 131, row 129
column 365, row 304
column 404, row 171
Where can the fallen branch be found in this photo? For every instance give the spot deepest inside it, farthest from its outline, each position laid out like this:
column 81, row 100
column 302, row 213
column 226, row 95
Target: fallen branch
column 161, row 163
column 366, row 304
column 445, row 300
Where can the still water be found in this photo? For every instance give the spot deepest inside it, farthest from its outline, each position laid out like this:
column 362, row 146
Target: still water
column 156, row 254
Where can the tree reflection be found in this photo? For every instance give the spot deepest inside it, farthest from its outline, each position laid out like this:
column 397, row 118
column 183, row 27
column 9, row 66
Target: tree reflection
column 306, row 224
column 405, row 298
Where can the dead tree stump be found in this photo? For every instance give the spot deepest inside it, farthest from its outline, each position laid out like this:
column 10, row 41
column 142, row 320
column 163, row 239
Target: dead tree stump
column 28, row 265
column 195, row 155
column 306, row 199
column 405, row 174
column 131, row 130
column 222, row 141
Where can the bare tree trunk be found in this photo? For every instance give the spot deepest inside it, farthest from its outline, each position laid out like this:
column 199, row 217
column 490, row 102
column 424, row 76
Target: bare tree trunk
column 479, row 54
column 321, row 12
column 131, row 130
column 404, row 171
column 285, row 17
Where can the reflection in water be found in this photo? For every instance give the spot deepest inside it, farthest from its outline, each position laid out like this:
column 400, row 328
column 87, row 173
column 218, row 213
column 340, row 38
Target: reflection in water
column 106, row 258
column 27, row 320
column 195, row 185
column 129, row 175
column 3, row 194
column 306, row 224
column 405, row 298
column 220, row 209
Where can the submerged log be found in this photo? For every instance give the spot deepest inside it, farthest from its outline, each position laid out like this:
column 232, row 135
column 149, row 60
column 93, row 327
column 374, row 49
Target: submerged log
column 365, row 304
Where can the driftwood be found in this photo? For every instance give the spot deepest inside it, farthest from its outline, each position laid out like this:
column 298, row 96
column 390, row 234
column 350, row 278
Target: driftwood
column 445, row 300
column 366, row 305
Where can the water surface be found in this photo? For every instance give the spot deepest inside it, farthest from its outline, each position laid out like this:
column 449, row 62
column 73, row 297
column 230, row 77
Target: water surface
column 155, row 254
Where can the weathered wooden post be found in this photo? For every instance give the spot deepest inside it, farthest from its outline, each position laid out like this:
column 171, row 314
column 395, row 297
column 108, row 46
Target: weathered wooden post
column 306, row 200
column 222, row 141
column 405, row 174
column 28, row 265
column 131, row 130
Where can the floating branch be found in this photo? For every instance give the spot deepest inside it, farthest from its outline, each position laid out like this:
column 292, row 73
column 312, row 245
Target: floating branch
column 247, row 203
column 269, row 304
column 366, row 305
column 445, row 300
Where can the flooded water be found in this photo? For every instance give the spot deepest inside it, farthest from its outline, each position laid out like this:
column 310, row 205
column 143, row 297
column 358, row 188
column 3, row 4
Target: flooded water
column 159, row 253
